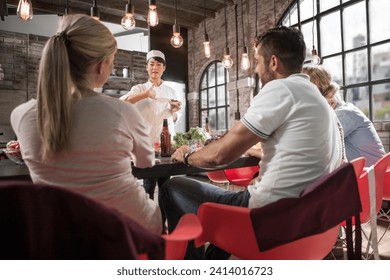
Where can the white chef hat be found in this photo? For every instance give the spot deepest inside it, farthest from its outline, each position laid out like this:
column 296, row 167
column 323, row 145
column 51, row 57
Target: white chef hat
column 155, row 53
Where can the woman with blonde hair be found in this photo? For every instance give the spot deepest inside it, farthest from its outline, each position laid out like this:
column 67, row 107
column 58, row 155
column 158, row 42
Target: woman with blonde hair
column 76, row 138
column 360, row 136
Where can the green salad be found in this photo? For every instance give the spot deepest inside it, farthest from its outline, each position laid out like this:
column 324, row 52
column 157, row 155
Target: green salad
column 195, row 133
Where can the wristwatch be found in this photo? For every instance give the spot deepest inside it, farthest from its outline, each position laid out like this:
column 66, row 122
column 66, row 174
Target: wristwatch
column 187, row 155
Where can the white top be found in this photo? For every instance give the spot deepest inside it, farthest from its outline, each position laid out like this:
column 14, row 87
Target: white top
column 302, row 140
column 106, row 134
column 153, row 111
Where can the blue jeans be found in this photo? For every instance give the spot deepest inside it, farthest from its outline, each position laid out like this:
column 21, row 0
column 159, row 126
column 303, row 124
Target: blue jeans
column 181, row 195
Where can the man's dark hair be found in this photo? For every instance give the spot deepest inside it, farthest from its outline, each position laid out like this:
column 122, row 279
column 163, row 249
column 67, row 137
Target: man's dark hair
column 286, row 43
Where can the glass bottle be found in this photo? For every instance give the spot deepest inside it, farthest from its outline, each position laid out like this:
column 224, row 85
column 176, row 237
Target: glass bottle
column 125, row 72
column 206, row 127
column 165, row 138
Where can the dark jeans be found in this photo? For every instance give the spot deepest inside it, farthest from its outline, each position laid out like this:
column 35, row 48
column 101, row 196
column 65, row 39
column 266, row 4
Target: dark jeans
column 150, row 186
column 182, row 195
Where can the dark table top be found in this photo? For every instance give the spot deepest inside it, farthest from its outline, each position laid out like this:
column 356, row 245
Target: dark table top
column 12, row 171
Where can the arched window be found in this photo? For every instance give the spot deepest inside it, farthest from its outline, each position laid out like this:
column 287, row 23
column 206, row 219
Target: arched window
column 353, row 39
column 214, row 100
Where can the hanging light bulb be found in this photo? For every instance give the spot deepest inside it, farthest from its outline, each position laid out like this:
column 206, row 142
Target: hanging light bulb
column 128, row 21
column 176, row 39
column 206, row 44
column 95, row 13
column 152, row 14
column 227, row 61
column 245, row 63
column 25, row 11
column 206, row 41
column 315, row 59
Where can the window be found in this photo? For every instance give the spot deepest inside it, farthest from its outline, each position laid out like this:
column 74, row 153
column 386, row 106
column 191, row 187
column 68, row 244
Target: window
column 214, row 101
column 353, row 39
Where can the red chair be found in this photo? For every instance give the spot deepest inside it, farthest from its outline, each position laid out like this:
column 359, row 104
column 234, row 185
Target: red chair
column 230, row 228
column 241, row 176
column 363, row 181
column 218, row 177
column 311, row 223
column 358, row 166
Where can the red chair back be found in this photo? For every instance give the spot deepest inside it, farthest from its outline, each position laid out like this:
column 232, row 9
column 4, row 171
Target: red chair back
column 386, row 186
column 230, row 228
column 380, row 174
column 217, row 176
column 241, row 176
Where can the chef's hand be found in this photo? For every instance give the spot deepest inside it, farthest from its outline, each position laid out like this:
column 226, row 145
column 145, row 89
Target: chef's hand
column 175, row 105
column 178, row 155
column 151, row 93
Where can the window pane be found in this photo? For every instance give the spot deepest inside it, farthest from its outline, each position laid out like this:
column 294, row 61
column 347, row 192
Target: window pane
column 212, row 119
column 356, row 67
column 212, row 97
column 220, row 73
column 379, row 20
column 327, row 4
column 203, row 84
column 306, row 9
column 360, row 98
column 381, row 106
column 221, row 95
column 355, row 31
column 211, row 75
column 203, row 97
column 335, row 66
column 330, row 34
column 380, row 62
column 307, row 31
column 291, row 17
column 222, row 119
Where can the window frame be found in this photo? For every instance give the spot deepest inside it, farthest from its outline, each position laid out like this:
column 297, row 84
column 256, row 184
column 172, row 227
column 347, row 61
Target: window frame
column 346, row 86
column 204, row 111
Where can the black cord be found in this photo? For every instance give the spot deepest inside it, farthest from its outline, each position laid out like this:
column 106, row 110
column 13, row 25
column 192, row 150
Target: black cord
column 242, row 20
column 226, row 36
column 204, row 15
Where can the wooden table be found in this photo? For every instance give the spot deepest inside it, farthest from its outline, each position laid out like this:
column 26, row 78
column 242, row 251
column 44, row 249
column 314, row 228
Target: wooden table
column 12, row 171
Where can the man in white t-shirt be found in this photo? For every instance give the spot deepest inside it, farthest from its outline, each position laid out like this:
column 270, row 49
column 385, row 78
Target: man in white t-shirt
column 297, row 128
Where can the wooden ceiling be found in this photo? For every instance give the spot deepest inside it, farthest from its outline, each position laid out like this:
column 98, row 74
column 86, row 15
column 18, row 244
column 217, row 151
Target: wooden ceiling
column 189, row 12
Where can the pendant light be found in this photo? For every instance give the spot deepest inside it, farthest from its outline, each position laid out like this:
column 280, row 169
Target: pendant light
column 128, row 21
column 152, row 14
column 176, row 39
column 95, row 13
column 227, row 61
column 25, row 10
column 315, row 59
column 206, row 42
column 245, row 63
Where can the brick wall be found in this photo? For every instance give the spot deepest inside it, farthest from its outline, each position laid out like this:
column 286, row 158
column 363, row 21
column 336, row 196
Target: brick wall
column 20, row 55
column 216, row 31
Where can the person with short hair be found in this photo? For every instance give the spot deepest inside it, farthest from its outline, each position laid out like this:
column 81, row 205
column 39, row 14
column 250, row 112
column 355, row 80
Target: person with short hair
column 296, row 127
column 156, row 101
column 360, row 137
column 76, row 138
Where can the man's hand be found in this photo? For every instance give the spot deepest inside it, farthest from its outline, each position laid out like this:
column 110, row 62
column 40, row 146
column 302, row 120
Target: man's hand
column 178, row 155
